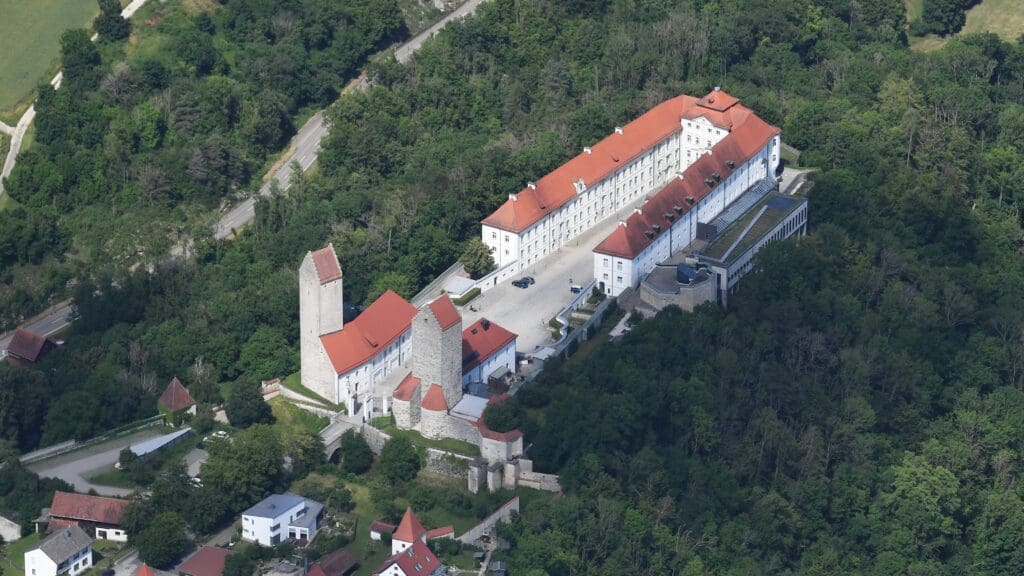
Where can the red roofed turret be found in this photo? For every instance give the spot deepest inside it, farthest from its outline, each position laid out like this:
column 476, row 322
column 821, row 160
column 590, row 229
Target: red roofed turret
column 434, row 399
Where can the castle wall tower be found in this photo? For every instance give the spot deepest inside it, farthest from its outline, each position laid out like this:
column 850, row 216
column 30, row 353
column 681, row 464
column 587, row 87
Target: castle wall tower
column 437, row 348
column 321, row 311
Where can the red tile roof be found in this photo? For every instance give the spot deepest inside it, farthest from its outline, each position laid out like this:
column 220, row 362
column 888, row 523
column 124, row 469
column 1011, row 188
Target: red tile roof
column 26, row 344
column 144, row 570
column 383, row 527
column 433, row 400
column 445, row 312
column 442, row 532
column 482, row 340
column 209, row 561
column 417, row 560
column 407, row 388
column 409, row 529
column 316, row 570
column 326, row 263
column 629, row 240
column 98, row 509
column 610, row 154
column 371, row 332
column 337, row 563
column 175, row 397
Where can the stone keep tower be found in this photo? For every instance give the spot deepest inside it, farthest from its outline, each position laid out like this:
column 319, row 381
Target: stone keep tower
column 437, row 348
column 321, row 311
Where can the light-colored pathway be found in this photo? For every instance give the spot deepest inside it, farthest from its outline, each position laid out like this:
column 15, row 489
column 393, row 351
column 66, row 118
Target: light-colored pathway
column 18, row 132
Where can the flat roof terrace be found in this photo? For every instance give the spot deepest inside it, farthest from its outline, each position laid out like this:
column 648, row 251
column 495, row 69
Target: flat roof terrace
column 754, row 224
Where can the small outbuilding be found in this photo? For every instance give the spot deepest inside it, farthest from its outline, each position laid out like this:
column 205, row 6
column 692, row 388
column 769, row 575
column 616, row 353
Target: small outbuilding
column 176, row 399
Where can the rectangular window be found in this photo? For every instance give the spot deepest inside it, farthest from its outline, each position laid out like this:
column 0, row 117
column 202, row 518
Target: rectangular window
column 605, row 262
column 618, row 279
column 619, row 263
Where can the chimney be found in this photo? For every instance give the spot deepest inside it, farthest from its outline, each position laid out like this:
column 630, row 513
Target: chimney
column 718, row 88
column 638, row 211
column 730, row 163
column 618, row 130
column 649, row 234
column 531, row 185
column 588, row 150
column 622, row 223
column 486, row 324
column 513, row 197
column 680, row 175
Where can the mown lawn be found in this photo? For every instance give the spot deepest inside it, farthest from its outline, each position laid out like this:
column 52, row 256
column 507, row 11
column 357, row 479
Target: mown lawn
column 30, row 44
column 292, row 419
column 387, row 425
column 15, row 552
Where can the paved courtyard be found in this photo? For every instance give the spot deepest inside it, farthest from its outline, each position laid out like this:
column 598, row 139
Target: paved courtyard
column 527, row 311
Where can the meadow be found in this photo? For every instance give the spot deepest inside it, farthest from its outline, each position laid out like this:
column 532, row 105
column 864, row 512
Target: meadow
column 30, row 44
column 1002, row 17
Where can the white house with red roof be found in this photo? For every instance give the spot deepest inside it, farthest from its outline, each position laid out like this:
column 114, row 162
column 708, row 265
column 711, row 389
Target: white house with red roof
column 486, row 348
column 738, row 158
column 340, row 361
column 409, row 553
column 636, row 160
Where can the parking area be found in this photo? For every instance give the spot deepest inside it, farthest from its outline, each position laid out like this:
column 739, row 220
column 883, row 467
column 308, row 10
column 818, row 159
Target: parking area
column 526, row 311
column 74, row 467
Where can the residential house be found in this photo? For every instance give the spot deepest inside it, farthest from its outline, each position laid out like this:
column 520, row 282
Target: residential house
column 208, row 561
column 487, row 348
column 279, row 517
column 410, row 531
column 99, row 516
column 378, row 529
column 415, row 560
column 66, row 551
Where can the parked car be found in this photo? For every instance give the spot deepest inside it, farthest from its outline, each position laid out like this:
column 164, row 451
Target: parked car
column 521, row 283
column 529, row 280
column 575, row 288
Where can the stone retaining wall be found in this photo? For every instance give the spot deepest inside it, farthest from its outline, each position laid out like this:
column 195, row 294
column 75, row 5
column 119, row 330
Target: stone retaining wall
column 503, row 514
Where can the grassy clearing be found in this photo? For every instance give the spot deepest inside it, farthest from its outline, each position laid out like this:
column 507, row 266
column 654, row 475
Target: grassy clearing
column 15, row 553
column 294, row 384
column 1002, row 17
column 293, row 419
column 30, row 43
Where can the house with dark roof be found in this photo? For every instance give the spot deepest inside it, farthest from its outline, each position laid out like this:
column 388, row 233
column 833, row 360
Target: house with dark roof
column 207, row 561
column 66, row 551
column 99, row 516
column 26, row 347
column 280, row 517
column 176, row 399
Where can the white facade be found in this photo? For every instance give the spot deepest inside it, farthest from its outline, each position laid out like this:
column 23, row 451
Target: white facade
column 114, row 534
column 505, row 357
column 614, row 274
column 286, row 521
column 10, row 530
column 594, row 202
column 360, row 380
column 37, row 563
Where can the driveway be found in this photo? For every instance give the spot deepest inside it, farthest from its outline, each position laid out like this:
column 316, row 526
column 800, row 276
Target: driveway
column 75, row 467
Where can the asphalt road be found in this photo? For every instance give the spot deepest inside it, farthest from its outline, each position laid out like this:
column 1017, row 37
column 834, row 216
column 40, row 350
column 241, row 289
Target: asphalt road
column 305, row 145
column 47, row 323
column 74, row 467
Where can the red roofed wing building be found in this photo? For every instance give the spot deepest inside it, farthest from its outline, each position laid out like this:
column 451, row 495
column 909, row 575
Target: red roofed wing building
column 340, row 361
column 486, row 347
column 99, row 516
column 416, row 560
column 633, row 161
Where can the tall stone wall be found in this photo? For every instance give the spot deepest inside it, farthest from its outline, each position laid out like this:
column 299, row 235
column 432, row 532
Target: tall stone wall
column 407, row 412
column 501, row 450
column 376, row 439
column 463, row 430
column 447, row 463
column 503, row 514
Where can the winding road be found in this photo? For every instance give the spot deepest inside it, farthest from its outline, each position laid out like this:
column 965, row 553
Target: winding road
column 302, row 151
column 305, row 145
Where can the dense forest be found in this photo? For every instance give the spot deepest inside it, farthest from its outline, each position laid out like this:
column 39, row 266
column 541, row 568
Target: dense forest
column 859, row 408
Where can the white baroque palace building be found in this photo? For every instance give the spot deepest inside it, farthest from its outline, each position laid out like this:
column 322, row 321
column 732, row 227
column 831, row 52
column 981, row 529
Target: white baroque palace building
column 637, row 159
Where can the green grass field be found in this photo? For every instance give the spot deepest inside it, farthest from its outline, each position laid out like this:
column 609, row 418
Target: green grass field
column 30, row 43
column 15, row 552
column 1003, row 17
